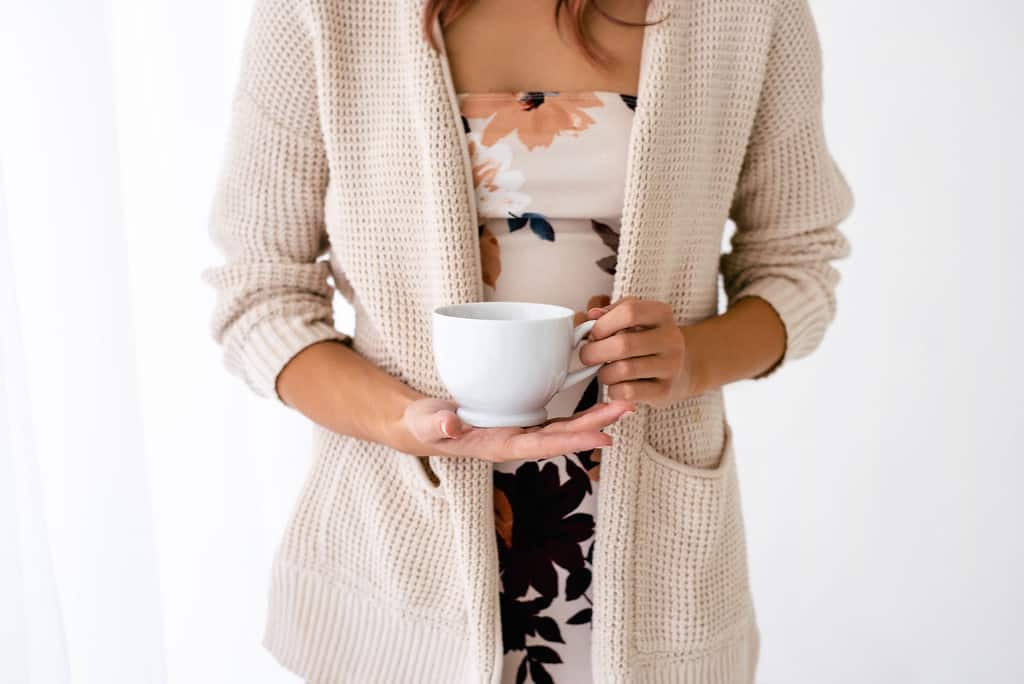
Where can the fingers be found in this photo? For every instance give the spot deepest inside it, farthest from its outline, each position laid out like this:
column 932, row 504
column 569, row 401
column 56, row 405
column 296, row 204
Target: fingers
column 579, row 432
column 636, row 368
column 652, row 392
column 622, row 346
column 630, row 312
column 594, row 418
column 554, row 424
column 511, row 444
column 542, row 444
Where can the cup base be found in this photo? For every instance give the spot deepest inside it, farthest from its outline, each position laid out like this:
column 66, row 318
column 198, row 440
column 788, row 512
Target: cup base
column 483, row 419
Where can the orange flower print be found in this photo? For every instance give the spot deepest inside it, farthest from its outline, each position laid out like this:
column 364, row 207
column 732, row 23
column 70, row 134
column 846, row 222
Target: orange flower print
column 496, row 183
column 490, row 256
column 536, row 116
column 503, row 517
column 595, row 473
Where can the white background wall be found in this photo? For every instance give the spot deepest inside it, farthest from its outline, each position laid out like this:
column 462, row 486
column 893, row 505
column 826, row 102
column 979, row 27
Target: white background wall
column 881, row 476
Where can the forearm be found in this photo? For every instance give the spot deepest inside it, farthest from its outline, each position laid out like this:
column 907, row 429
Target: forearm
column 746, row 341
column 339, row 389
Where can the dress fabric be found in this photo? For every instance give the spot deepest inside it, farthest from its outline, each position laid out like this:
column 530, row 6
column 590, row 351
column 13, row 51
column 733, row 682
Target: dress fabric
column 549, row 174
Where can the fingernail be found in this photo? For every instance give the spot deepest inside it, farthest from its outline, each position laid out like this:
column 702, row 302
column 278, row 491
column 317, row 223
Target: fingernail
column 444, row 429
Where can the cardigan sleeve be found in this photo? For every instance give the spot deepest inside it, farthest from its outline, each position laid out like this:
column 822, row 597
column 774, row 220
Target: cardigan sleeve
column 273, row 293
column 790, row 195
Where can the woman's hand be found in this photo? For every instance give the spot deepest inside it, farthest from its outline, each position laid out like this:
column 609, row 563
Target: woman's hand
column 644, row 349
column 433, row 428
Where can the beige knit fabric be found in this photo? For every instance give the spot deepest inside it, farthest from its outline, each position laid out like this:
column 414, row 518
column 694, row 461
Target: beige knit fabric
column 346, row 144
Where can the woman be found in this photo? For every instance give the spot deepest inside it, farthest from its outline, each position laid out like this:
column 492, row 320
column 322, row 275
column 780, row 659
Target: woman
column 576, row 153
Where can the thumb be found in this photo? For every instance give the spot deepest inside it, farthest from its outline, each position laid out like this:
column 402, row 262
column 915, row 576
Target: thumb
column 446, row 424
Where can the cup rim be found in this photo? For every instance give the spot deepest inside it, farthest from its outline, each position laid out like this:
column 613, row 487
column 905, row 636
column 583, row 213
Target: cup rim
column 554, row 311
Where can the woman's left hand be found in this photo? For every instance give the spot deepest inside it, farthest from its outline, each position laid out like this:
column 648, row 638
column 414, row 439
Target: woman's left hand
column 644, row 349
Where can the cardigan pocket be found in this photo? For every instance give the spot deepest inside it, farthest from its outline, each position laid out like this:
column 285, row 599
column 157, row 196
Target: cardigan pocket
column 420, row 471
column 360, row 524
column 690, row 569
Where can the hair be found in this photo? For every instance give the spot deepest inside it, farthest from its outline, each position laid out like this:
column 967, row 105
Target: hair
column 579, row 10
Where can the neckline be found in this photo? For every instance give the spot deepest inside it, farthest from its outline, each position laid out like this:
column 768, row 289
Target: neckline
column 517, row 94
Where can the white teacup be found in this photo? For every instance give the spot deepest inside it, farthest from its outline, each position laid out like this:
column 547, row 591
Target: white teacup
column 504, row 361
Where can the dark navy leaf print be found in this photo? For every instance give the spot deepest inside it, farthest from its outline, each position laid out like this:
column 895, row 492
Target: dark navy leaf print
column 589, row 459
column 610, row 238
column 542, row 228
column 576, row 471
column 521, row 672
column 516, row 222
column 548, row 628
column 465, row 123
column 538, row 656
column 630, row 100
column 539, row 224
column 577, row 583
column 539, row 674
column 532, row 99
column 521, row 618
column 580, row 618
column 543, row 654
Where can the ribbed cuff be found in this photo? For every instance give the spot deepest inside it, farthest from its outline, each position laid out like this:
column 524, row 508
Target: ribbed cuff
column 803, row 312
column 274, row 341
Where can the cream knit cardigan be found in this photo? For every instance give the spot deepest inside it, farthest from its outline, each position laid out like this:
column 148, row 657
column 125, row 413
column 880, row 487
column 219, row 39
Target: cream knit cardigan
column 346, row 141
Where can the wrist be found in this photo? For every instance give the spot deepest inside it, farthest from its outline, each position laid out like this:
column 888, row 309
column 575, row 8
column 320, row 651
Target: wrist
column 397, row 434
column 695, row 366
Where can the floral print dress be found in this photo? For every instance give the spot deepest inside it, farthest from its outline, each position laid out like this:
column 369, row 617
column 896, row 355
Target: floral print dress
column 549, row 174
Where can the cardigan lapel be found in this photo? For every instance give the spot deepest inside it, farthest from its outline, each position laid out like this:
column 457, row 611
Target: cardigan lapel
column 637, row 272
column 468, row 258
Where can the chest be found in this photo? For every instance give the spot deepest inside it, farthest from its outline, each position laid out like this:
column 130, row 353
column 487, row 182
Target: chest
column 495, row 45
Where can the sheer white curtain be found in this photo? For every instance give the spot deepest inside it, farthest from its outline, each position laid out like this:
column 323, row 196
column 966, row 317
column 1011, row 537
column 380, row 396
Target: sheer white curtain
column 141, row 488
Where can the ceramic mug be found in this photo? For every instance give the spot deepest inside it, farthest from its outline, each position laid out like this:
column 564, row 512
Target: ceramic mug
column 503, row 362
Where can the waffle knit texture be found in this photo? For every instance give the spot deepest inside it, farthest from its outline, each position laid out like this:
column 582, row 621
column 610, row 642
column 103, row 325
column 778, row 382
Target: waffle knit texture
column 346, row 170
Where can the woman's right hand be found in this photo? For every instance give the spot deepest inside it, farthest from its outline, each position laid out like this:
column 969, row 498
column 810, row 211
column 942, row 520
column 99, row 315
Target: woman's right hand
column 433, row 428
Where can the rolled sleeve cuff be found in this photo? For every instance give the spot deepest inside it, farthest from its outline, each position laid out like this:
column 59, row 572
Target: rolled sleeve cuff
column 275, row 341
column 802, row 310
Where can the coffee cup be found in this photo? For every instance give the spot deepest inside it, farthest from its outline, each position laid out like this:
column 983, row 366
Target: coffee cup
column 503, row 362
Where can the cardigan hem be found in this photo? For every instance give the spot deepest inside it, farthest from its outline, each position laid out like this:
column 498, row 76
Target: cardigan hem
column 326, row 633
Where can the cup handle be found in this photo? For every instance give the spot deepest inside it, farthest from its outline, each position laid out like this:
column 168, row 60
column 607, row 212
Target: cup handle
column 578, row 333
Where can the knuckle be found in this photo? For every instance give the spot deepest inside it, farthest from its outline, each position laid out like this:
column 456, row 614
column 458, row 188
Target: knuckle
column 630, row 313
